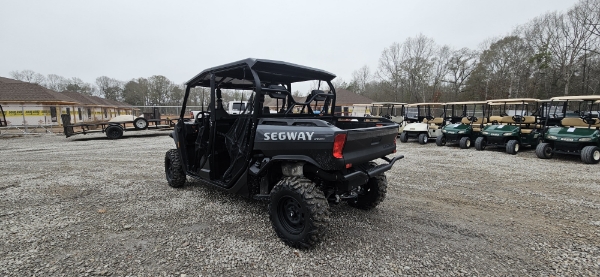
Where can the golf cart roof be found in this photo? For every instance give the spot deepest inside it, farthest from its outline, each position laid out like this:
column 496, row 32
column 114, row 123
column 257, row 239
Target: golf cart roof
column 575, row 98
column 362, row 105
column 238, row 74
column 388, row 103
column 426, row 104
column 513, row 100
column 467, row 103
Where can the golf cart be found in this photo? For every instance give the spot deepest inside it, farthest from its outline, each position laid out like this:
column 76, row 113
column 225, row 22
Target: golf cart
column 512, row 123
column 466, row 121
column 578, row 132
column 391, row 110
column 299, row 161
column 428, row 123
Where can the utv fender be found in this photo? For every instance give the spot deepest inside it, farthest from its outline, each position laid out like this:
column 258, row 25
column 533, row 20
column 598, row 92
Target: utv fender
column 281, row 158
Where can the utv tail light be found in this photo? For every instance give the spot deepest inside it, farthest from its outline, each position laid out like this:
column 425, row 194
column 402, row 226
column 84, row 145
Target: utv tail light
column 338, row 145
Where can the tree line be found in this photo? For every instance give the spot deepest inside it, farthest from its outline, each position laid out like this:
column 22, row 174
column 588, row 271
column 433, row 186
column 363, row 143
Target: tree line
column 554, row 54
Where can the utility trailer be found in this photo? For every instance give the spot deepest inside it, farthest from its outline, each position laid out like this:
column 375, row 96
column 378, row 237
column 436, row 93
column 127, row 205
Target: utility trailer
column 115, row 128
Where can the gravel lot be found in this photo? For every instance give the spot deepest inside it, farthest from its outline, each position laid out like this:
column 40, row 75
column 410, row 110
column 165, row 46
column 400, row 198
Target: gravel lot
column 86, row 206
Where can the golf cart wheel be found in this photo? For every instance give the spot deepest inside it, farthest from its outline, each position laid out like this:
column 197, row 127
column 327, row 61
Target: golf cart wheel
column 403, row 137
column 590, row 154
column 423, row 138
column 440, row 140
column 299, row 212
column 174, row 169
column 114, row 132
column 140, row 123
column 544, row 150
column 512, row 147
column 465, row 143
column 374, row 192
column 480, row 143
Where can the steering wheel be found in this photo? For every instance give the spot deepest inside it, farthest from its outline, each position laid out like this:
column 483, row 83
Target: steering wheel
column 200, row 116
column 503, row 114
column 517, row 118
column 387, row 116
column 472, row 118
column 494, row 122
column 429, row 117
column 588, row 119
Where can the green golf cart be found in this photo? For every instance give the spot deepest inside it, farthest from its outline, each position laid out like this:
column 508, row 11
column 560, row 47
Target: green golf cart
column 466, row 121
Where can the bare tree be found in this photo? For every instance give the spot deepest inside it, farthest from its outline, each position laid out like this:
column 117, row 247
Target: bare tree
column 110, row 88
column 460, row 66
column 56, row 82
column 390, row 70
column 28, row 76
column 360, row 78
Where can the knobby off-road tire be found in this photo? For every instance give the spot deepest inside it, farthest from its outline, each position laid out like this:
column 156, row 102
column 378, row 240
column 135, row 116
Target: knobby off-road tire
column 299, row 212
column 512, row 147
column 590, row 154
column 403, row 137
column 465, row 143
column 174, row 169
column 375, row 190
column 423, row 138
column 544, row 150
column 114, row 132
column 140, row 123
column 480, row 143
column 440, row 140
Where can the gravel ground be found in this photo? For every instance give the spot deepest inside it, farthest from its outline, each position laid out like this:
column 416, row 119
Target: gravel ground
column 87, row 206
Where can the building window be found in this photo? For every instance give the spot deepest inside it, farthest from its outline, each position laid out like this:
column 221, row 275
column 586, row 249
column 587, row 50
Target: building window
column 79, row 113
column 89, row 112
column 53, row 116
column 105, row 113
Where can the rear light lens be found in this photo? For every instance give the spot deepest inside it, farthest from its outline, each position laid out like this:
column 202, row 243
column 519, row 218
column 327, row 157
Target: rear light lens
column 338, row 145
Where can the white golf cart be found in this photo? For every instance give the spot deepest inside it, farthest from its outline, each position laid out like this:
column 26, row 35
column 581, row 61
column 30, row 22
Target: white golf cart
column 430, row 118
column 393, row 111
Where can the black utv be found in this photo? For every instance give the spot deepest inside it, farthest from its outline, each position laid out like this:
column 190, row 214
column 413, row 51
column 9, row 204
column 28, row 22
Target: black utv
column 301, row 158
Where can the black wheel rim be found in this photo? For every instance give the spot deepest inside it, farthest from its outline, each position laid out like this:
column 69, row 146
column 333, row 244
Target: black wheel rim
column 548, row 151
column 291, row 215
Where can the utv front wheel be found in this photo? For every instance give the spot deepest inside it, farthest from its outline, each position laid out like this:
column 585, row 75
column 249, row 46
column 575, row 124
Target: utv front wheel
column 374, row 192
column 403, row 137
column 465, row 143
column 299, row 212
column 544, row 150
column 480, row 143
column 423, row 138
column 590, row 155
column 440, row 140
column 174, row 169
column 512, row 147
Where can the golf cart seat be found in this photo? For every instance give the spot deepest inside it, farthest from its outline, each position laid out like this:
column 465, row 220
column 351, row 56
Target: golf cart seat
column 577, row 122
column 434, row 123
column 496, row 118
column 476, row 124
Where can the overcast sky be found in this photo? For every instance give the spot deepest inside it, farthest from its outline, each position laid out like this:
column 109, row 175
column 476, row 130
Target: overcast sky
column 178, row 39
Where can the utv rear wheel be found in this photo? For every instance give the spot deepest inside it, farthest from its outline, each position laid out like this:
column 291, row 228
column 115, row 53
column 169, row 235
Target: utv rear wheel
column 299, row 212
column 544, row 150
column 440, row 140
column 403, row 137
column 512, row 147
column 465, row 143
column 590, row 154
column 374, row 193
column 423, row 138
column 114, row 132
column 174, row 169
column 480, row 143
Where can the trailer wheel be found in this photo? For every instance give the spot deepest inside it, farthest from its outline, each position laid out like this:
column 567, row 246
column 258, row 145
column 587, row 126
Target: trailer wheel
column 512, row 147
column 440, row 140
column 403, row 137
column 114, row 132
column 480, row 143
column 374, row 193
column 590, row 154
column 465, row 143
column 423, row 138
column 544, row 150
column 140, row 123
column 174, row 169
column 299, row 212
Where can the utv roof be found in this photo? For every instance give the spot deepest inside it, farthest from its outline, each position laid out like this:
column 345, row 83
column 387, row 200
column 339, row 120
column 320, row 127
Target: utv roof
column 467, row 103
column 580, row 97
column 238, row 74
